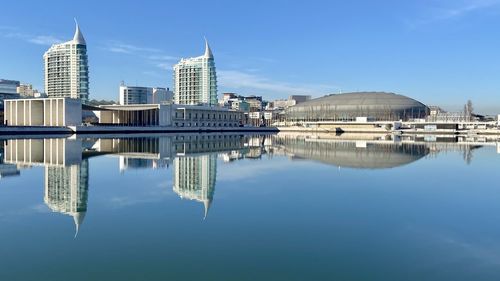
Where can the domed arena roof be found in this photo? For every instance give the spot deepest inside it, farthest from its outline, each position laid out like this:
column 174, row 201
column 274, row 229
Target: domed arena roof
column 366, row 99
column 378, row 105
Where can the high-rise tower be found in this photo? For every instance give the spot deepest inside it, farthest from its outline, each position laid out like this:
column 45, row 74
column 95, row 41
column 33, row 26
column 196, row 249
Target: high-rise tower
column 195, row 80
column 67, row 70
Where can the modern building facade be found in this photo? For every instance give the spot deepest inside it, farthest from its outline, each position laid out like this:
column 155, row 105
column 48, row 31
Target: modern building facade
column 144, row 95
column 8, row 90
column 169, row 115
column 195, row 80
column 43, row 112
column 67, row 70
column 8, row 87
column 135, row 95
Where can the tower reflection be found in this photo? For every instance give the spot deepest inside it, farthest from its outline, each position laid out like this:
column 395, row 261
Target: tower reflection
column 66, row 190
column 194, row 178
column 66, row 173
column 195, row 158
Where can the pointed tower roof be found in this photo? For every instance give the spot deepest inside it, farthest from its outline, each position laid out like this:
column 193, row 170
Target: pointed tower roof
column 78, row 38
column 78, row 218
column 208, row 52
column 207, row 203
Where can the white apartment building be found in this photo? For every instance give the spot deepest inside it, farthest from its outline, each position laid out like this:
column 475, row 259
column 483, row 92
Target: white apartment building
column 195, row 80
column 66, row 69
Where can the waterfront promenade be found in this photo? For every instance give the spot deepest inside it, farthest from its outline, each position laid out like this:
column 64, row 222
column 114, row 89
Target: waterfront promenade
column 328, row 127
column 45, row 130
column 458, row 128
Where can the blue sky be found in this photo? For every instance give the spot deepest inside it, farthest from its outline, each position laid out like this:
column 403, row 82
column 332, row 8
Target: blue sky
column 437, row 51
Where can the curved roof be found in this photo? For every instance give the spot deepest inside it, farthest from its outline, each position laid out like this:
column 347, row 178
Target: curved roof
column 382, row 99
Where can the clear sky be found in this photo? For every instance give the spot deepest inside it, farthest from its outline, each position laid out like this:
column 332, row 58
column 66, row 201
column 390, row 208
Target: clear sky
column 441, row 52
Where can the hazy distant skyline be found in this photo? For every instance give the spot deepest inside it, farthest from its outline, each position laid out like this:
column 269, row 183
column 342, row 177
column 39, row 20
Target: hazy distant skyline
column 440, row 52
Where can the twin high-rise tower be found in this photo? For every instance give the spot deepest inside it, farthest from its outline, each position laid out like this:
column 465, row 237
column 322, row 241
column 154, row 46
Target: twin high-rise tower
column 67, row 69
column 67, row 74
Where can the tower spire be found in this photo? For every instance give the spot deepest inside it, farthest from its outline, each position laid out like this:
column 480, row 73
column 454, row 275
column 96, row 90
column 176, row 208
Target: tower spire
column 78, row 38
column 208, row 52
column 206, row 203
column 78, row 218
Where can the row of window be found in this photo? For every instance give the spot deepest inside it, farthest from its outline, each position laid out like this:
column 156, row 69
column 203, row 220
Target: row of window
column 207, row 115
column 188, row 124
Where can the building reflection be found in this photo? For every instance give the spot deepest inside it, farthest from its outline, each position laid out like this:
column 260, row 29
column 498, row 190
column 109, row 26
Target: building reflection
column 369, row 151
column 195, row 164
column 354, row 154
column 194, row 178
column 66, row 190
column 66, row 173
column 195, row 158
column 139, row 152
column 6, row 170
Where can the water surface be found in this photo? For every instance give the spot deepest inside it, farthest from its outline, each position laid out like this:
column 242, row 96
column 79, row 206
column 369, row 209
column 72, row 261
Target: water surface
column 250, row 207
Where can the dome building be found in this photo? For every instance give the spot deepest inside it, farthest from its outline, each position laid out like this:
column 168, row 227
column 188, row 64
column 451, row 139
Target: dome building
column 376, row 106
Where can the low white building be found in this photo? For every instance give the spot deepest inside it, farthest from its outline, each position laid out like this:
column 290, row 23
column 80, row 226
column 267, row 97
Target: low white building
column 63, row 112
column 43, row 112
column 169, row 115
column 135, row 115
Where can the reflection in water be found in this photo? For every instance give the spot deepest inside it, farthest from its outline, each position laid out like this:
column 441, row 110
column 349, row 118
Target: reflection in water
column 6, row 170
column 66, row 174
column 66, row 190
column 194, row 178
column 194, row 156
column 353, row 154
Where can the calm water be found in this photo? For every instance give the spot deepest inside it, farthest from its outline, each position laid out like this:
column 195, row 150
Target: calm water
column 232, row 207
